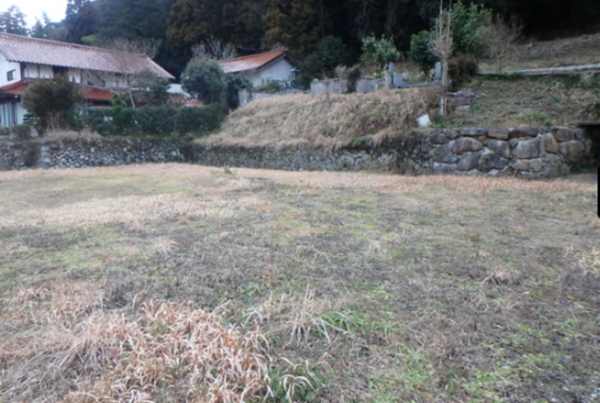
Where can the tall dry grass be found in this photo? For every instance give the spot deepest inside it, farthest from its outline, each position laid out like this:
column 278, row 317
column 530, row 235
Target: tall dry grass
column 321, row 121
column 65, row 347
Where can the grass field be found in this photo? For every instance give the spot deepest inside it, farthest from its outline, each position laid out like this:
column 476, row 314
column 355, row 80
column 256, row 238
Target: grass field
column 169, row 283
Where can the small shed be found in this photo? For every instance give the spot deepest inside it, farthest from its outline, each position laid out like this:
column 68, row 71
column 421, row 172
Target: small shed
column 259, row 69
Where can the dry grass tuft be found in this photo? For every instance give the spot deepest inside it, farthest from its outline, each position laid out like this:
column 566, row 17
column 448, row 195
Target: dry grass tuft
column 300, row 318
column 319, row 121
column 169, row 352
column 587, row 262
column 69, row 136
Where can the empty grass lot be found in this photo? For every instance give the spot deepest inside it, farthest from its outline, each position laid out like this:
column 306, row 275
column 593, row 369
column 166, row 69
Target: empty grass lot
column 165, row 283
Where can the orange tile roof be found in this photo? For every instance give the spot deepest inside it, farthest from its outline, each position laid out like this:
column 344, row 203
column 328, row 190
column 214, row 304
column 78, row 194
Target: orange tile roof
column 17, row 88
column 252, row 62
column 98, row 95
column 23, row 49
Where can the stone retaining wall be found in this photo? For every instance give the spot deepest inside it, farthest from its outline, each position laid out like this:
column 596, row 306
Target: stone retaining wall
column 529, row 152
column 77, row 154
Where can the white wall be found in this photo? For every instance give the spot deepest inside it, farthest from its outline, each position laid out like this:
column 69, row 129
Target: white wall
column 279, row 71
column 74, row 75
column 5, row 67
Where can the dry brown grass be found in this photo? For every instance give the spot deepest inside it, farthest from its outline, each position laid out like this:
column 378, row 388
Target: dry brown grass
column 167, row 351
column 320, row 121
column 85, row 135
column 132, row 211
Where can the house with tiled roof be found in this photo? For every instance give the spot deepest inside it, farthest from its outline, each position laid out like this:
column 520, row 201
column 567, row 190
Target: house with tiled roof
column 275, row 65
column 100, row 72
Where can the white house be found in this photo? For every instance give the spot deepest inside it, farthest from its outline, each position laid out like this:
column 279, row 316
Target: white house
column 100, row 72
column 275, row 65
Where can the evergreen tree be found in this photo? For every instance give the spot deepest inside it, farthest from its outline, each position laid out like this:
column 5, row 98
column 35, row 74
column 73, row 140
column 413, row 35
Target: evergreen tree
column 12, row 21
column 80, row 19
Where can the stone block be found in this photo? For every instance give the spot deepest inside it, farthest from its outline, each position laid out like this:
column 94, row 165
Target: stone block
column 452, row 134
column 444, row 169
column 502, row 148
column 563, row 134
column 474, row 131
column 465, row 144
column 438, row 138
column 534, row 165
column 572, row 151
column 528, row 149
column 550, row 143
column 523, row 132
column 491, row 160
column 468, row 161
column 443, row 154
column 500, row 134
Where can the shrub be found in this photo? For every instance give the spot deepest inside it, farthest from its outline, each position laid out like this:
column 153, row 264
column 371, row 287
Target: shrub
column 199, row 120
column 49, row 100
column 353, row 75
column 461, row 69
column 233, row 85
column 157, row 120
column 420, row 52
column 152, row 120
column 270, row 87
column 379, row 52
column 22, row 132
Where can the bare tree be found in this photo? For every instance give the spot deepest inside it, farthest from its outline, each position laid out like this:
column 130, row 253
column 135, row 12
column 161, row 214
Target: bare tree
column 441, row 42
column 214, row 49
column 129, row 55
column 499, row 35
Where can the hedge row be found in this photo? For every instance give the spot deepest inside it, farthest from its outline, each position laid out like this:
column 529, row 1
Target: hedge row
column 154, row 120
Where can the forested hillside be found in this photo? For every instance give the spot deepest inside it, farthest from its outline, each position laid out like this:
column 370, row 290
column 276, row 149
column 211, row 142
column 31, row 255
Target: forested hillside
column 252, row 25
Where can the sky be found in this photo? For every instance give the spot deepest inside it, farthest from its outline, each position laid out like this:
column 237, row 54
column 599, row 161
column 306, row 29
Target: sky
column 34, row 8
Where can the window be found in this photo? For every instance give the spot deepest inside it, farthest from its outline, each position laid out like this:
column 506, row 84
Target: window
column 10, row 75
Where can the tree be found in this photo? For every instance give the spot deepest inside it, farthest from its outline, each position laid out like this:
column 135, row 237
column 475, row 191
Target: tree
column 12, row 21
column 204, row 80
column 49, row 30
column 442, row 41
column 126, row 55
column 466, row 22
column 499, row 35
column 214, row 49
column 379, row 52
column 150, row 88
column 420, row 52
column 81, row 19
column 329, row 53
column 50, row 100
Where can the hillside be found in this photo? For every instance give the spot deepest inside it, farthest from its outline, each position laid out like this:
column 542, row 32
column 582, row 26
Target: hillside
column 500, row 102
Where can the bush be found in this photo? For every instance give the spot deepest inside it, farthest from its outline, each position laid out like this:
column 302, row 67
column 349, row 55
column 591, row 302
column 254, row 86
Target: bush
column 49, row 100
column 233, row 85
column 420, row 52
column 461, row 69
column 152, row 120
column 379, row 52
column 157, row 120
column 199, row 120
column 271, row 87
column 22, row 132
